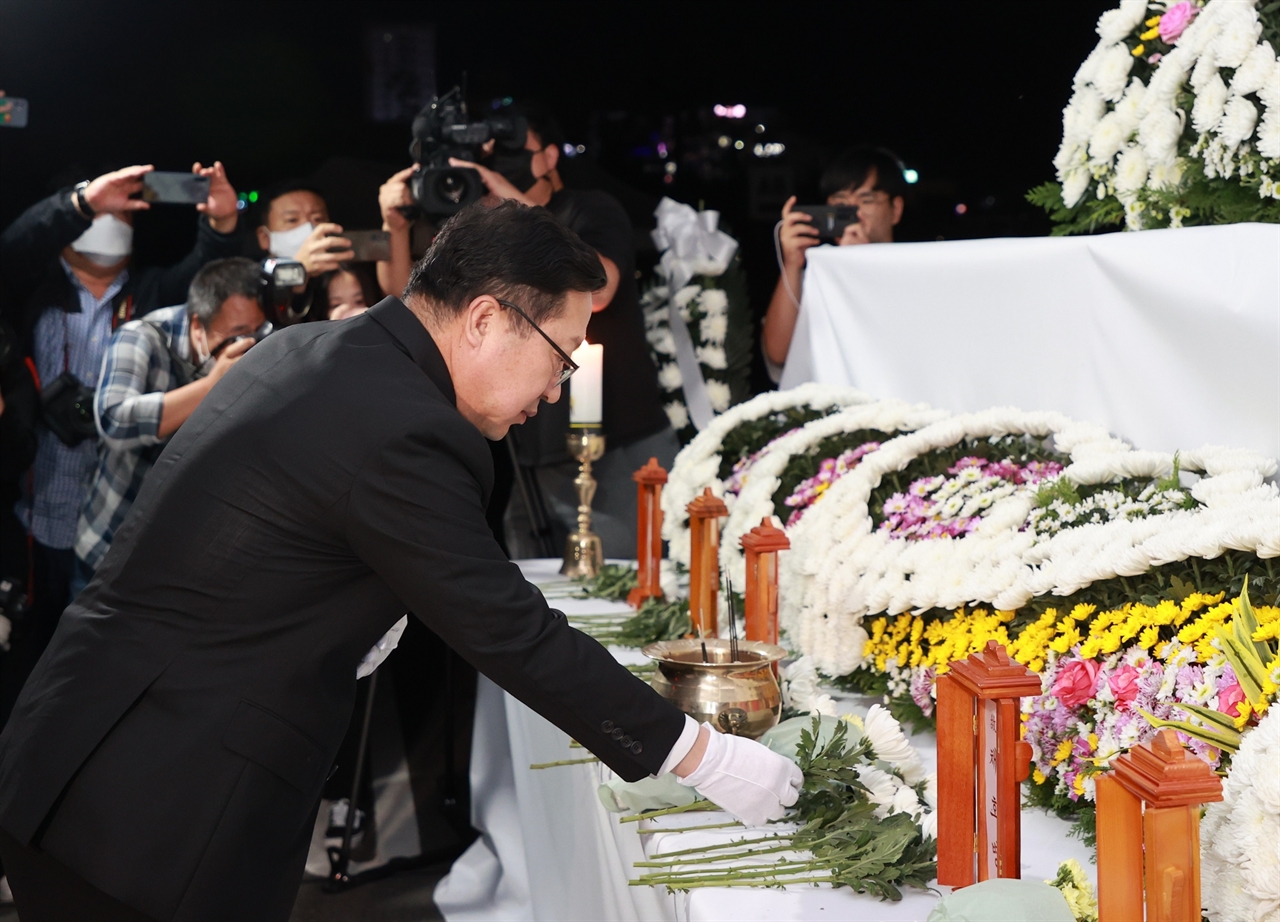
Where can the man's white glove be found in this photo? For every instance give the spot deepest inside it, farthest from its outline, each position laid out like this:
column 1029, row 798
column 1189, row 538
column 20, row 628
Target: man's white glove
column 747, row 779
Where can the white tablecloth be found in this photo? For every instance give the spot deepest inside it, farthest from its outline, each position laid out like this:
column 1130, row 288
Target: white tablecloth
column 1169, row 338
column 550, row 851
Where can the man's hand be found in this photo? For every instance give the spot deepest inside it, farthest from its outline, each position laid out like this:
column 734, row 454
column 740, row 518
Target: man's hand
column 322, row 251
column 220, row 207
column 228, row 357
column 796, row 235
column 109, row 193
column 394, row 195
column 746, row 779
column 853, row 234
column 494, row 181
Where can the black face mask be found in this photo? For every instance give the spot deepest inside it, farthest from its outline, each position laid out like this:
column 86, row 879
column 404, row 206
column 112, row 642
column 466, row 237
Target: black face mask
column 516, row 166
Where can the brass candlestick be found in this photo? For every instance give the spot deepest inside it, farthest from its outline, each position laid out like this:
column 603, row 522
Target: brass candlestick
column 583, row 552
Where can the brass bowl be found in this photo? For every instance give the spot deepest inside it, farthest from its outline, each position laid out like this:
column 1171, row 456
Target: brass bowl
column 741, row 698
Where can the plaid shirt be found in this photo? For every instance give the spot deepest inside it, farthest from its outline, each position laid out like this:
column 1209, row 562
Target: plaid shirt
column 136, row 373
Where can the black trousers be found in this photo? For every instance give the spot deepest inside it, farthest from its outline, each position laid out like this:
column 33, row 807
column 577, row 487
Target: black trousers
column 45, row 890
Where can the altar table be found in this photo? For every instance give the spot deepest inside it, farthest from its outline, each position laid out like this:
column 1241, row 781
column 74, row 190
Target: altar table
column 1169, row 338
column 549, row 850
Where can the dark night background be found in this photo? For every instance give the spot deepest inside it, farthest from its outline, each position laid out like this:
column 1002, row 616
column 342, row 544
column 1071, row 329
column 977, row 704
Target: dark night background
column 967, row 94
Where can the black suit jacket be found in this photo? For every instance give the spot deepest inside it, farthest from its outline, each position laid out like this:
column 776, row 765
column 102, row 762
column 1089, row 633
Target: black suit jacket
column 172, row 743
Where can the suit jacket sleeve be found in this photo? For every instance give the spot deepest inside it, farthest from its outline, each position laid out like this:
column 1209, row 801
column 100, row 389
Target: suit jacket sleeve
column 416, row 516
column 32, row 242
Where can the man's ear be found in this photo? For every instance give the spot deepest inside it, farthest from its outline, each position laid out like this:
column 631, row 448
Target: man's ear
column 264, row 238
column 898, row 203
column 481, row 319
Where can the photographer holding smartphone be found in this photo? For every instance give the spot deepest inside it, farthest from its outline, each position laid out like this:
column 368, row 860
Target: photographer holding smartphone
column 867, row 178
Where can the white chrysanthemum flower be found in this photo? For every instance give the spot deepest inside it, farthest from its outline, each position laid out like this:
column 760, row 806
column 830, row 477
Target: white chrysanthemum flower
column 1130, row 106
column 663, row 342
column 713, row 330
column 719, row 395
column 1238, row 120
column 881, row 788
column 1115, row 25
column 1239, row 35
column 1257, row 68
column 1269, row 134
column 686, row 294
column 669, row 377
column 1131, row 170
column 1112, row 75
column 713, row 357
column 1269, row 90
column 1158, row 134
column 1081, row 114
column 1074, row 185
column 1211, row 99
column 890, row 745
column 677, row 415
column 1203, row 72
column 714, row 302
column 1108, row 137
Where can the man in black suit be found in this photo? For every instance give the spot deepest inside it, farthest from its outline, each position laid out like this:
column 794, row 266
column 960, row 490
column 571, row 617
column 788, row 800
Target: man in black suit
column 166, row 758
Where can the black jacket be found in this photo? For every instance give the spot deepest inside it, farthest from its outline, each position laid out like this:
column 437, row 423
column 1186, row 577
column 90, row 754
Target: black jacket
column 172, row 743
column 31, row 280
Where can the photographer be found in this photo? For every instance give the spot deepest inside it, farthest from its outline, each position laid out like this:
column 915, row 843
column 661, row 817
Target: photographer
column 869, row 178
column 67, row 283
column 157, row 371
column 634, row 421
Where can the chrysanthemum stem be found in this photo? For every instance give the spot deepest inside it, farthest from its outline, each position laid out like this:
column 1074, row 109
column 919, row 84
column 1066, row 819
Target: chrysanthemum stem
column 668, row 811
column 538, row 765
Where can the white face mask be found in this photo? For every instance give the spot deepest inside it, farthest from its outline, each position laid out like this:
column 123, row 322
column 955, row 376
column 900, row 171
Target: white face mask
column 107, row 241
column 285, row 244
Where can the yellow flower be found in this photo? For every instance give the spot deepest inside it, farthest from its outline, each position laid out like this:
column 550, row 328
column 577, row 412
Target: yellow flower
column 1038, row 776
column 1151, row 33
column 1063, row 750
column 1078, row 784
column 1093, row 742
column 1137, row 53
column 1149, row 636
column 1245, row 710
column 1153, row 21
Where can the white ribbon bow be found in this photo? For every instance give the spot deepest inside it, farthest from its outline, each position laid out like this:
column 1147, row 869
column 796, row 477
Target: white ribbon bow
column 690, row 243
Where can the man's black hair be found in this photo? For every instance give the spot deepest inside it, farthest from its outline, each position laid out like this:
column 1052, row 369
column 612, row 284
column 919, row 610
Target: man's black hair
column 268, row 195
column 850, row 167
column 542, row 122
column 511, row 251
column 222, row 279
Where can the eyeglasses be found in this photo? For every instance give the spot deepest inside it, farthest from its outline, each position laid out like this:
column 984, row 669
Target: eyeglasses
column 570, row 366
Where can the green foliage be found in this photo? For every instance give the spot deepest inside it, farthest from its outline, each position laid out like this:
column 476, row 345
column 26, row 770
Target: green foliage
column 1089, row 216
column 614, row 582
column 656, row 620
column 803, row 465
column 750, row 436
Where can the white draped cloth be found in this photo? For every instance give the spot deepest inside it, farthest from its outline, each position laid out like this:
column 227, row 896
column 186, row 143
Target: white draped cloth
column 1170, row 338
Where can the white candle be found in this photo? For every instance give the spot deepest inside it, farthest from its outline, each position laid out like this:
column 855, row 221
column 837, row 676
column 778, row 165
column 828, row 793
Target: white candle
column 586, row 402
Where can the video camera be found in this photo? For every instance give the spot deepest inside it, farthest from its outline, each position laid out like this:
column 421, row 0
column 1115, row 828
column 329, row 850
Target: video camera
column 442, row 130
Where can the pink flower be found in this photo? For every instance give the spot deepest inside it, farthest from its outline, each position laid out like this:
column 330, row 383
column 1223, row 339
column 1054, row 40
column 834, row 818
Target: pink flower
column 1076, row 682
column 1124, row 685
column 1175, row 20
column 1155, row 58
column 1228, row 697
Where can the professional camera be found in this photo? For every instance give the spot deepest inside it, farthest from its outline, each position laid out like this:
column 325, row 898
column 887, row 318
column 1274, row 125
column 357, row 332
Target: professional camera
column 279, row 278
column 442, row 130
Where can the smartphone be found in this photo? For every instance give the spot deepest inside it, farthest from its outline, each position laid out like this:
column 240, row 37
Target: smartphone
column 369, row 245
column 830, row 220
column 175, row 188
column 16, row 117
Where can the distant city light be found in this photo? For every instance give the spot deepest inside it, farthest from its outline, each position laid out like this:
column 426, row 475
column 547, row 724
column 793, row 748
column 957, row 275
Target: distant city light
column 772, row 149
column 670, row 167
column 570, row 150
column 735, row 111
column 582, row 148
column 961, row 208
column 911, row 176
column 723, row 140
column 662, row 150
column 738, row 145
column 759, row 129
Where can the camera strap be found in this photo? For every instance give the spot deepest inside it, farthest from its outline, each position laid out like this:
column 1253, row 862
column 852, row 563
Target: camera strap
column 182, row 370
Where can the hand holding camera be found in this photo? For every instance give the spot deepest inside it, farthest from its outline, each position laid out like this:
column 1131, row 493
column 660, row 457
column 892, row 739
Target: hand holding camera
column 324, row 249
column 112, row 193
column 393, row 197
column 220, row 201
column 229, row 354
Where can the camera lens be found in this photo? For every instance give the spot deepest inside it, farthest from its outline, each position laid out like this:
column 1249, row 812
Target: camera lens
column 451, row 186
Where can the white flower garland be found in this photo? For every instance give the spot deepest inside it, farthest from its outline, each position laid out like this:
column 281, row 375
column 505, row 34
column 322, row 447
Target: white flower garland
column 1240, row 837
column 839, row 569
column 698, row 464
column 755, row 501
column 1122, row 137
column 711, row 326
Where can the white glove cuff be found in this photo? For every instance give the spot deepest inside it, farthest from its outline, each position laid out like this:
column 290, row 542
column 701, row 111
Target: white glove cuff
column 711, row 758
column 688, row 736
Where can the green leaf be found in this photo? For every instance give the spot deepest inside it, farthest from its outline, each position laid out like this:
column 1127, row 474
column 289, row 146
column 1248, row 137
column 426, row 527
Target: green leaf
column 1227, row 741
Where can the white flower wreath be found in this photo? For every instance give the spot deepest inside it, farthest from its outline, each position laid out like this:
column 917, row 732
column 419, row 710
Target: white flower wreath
column 698, row 464
column 755, row 501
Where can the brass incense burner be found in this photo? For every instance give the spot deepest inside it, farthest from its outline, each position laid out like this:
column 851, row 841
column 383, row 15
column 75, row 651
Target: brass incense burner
column 741, row 698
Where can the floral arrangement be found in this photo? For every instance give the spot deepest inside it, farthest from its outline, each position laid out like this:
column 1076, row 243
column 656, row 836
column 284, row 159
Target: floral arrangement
column 844, row 564
column 1077, row 889
column 1174, row 120
column 732, row 437
column 794, row 470
column 1240, row 837
column 705, row 307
